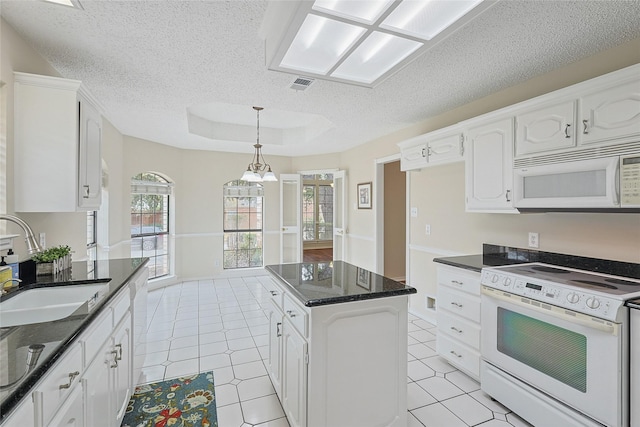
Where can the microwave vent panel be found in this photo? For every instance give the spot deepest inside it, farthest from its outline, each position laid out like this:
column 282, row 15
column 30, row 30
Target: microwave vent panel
column 577, row 155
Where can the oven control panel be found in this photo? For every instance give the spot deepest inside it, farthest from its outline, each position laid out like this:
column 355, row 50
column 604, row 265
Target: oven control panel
column 560, row 295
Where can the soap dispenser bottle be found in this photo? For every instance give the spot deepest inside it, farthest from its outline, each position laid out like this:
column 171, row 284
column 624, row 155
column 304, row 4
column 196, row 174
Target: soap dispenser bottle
column 12, row 261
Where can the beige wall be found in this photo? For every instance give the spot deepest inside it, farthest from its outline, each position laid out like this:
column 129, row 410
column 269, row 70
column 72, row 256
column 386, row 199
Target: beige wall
column 198, row 178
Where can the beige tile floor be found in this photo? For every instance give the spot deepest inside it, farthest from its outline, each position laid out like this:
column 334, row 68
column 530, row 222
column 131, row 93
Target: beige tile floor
column 219, row 325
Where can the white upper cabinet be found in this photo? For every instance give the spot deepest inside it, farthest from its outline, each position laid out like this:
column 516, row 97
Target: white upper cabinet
column 610, row 114
column 438, row 147
column 413, row 153
column 546, row 129
column 445, row 148
column 57, row 145
column 489, row 166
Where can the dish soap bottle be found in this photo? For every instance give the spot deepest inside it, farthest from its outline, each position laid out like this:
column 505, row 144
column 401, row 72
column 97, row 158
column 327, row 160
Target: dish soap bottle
column 12, row 261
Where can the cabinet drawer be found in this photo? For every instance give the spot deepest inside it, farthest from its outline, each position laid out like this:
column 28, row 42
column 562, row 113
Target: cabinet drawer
column 296, row 315
column 121, row 304
column 459, row 355
column 459, row 328
column 96, row 335
column 460, row 303
column 459, row 279
column 49, row 395
column 277, row 295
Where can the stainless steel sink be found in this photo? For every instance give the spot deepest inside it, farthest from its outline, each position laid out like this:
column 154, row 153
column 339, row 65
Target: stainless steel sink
column 46, row 304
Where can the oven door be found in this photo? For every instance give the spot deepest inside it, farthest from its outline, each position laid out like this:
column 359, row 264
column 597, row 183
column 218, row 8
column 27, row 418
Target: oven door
column 574, row 358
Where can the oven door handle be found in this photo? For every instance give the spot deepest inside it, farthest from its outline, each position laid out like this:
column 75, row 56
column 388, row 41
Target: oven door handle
column 552, row 310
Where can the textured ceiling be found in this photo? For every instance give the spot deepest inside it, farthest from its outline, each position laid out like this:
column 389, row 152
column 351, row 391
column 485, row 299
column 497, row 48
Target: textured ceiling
column 152, row 63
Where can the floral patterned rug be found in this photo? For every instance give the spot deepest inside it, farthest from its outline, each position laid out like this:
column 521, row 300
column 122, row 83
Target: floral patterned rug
column 180, row 402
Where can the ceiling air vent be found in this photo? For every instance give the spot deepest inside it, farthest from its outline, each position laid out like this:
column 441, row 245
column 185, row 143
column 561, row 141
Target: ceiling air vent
column 302, row 83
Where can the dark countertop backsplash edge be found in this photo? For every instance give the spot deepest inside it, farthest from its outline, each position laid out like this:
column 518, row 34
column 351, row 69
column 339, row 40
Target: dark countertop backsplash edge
column 497, row 255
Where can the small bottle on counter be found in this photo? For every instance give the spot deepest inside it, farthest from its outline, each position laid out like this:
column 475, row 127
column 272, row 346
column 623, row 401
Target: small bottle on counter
column 12, row 261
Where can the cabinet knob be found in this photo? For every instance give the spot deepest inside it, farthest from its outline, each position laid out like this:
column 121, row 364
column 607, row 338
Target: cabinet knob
column 291, row 313
column 507, row 195
column 454, row 329
column 273, row 293
column 86, row 191
column 585, row 123
column 119, row 348
column 457, row 282
column 456, row 304
column 455, row 354
column 72, row 376
column 566, row 131
column 278, row 331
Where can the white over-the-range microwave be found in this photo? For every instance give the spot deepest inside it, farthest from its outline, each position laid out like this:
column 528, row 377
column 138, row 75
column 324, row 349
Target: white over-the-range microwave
column 600, row 183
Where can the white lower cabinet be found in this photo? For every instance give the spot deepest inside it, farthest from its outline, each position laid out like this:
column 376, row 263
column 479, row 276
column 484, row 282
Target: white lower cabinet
column 90, row 385
column 458, row 316
column 57, row 385
column 294, row 385
column 339, row 365
column 107, row 381
column 71, row 414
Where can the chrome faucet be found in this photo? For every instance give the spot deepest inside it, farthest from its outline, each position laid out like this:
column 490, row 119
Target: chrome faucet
column 2, row 289
column 30, row 238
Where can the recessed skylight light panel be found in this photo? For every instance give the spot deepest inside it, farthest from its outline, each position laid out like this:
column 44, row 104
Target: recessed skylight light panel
column 319, row 44
column 427, row 19
column 363, row 11
column 375, row 56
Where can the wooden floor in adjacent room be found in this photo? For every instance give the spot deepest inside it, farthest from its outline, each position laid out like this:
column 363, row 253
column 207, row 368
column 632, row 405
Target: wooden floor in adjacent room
column 317, row 255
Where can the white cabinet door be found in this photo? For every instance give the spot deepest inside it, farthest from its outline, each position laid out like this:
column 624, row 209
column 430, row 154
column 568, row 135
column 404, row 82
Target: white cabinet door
column 294, row 375
column 274, row 363
column 121, row 368
column 96, row 385
column 546, row 129
column 90, row 156
column 413, row 157
column 57, row 161
column 610, row 114
column 71, row 414
column 445, row 149
column 489, row 167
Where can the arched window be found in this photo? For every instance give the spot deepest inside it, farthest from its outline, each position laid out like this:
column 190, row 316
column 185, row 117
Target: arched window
column 242, row 218
column 150, row 221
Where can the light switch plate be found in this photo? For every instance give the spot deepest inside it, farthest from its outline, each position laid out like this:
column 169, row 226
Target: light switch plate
column 414, row 212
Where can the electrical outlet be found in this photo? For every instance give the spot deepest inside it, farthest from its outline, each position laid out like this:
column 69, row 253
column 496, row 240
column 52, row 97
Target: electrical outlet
column 414, row 212
column 534, row 240
column 427, row 229
column 216, row 263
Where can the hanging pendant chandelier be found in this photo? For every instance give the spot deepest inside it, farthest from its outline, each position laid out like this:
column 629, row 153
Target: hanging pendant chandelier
column 258, row 164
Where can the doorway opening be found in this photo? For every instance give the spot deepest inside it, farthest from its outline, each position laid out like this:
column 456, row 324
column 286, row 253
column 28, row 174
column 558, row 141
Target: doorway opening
column 317, row 217
column 391, row 226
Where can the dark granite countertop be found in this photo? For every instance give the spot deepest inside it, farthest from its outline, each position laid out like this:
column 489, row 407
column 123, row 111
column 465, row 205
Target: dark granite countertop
column 322, row 283
column 55, row 335
column 495, row 255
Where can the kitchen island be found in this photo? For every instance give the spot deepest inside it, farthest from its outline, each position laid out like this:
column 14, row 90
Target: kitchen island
column 338, row 345
column 32, row 391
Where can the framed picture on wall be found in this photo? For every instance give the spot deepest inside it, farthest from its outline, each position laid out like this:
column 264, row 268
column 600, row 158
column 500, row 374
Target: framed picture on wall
column 364, row 195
